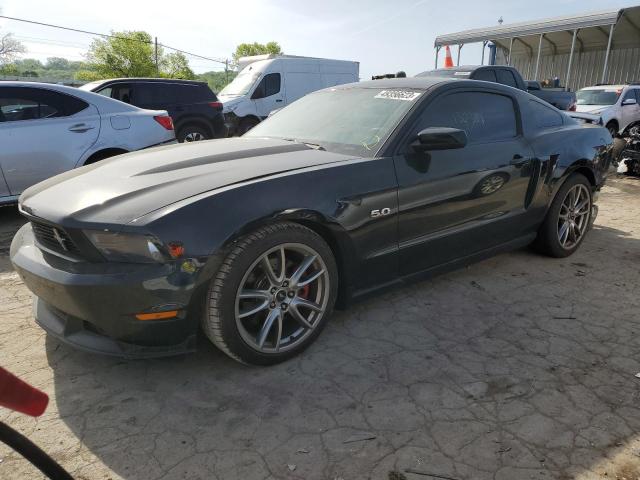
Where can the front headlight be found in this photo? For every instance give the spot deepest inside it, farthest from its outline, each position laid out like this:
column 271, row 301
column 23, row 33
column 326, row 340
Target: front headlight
column 127, row 247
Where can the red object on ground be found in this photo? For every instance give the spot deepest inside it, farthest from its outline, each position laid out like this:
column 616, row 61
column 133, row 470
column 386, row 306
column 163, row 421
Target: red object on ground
column 448, row 60
column 20, row 396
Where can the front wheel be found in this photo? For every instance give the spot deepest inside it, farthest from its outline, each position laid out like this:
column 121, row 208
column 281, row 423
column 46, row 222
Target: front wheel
column 568, row 218
column 272, row 295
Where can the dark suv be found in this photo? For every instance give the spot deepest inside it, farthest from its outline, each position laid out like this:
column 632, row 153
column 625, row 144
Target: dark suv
column 194, row 108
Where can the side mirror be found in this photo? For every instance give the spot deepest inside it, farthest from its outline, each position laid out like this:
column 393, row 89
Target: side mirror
column 533, row 86
column 630, row 101
column 440, row 138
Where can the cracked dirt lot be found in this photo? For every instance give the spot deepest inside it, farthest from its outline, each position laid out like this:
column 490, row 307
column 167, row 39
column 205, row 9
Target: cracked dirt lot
column 519, row 367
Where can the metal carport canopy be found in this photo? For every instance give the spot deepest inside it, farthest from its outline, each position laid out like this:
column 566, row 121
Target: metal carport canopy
column 587, row 32
column 536, row 28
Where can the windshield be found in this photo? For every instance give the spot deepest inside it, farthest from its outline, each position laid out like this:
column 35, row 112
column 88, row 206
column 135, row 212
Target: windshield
column 354, row 121
column 242, row 83
column 598, row 97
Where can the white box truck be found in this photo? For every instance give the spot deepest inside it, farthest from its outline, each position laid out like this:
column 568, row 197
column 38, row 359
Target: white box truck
column 269, row 82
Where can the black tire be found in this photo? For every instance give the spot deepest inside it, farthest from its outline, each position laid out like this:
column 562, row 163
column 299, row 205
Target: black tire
column 547, row 241
column 246, row 124
column 192, row 133
column 219, row 318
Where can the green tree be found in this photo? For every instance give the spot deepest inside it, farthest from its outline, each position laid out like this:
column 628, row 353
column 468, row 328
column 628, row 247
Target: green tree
column 125, row 54
column 176, row 65
column 255, row 48
column 217, row 80
column 58, row 63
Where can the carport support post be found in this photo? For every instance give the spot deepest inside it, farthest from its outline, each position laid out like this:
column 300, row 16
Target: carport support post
column 510, row 50
column 573, row 46
column 606, row 56
column 535, row 77
column 437, row 53
column 460, row 45
column 484, row 45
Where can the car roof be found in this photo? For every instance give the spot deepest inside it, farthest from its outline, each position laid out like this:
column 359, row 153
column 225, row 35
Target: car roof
column 422, row 83
column 105, row 104
column 150, row 80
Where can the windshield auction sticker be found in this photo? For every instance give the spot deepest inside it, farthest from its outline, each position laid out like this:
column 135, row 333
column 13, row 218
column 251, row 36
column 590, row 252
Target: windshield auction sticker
column 406, row 95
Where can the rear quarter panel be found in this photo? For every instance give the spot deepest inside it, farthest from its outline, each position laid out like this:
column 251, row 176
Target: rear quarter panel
column 130, row 131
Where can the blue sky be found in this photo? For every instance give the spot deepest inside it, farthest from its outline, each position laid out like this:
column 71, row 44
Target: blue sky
column 384, row 36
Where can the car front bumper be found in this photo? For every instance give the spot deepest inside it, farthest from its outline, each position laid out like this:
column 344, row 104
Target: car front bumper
column 93, row 306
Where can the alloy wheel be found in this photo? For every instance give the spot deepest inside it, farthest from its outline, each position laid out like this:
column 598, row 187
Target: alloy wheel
column 282, row 298
column 573, row 219
column 193, row 137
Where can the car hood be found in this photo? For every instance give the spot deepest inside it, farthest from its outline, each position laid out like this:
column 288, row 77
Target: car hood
column 123, row 188
column 595, row 109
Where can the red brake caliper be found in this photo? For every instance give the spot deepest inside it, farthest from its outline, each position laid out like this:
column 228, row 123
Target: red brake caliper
column 304, row 291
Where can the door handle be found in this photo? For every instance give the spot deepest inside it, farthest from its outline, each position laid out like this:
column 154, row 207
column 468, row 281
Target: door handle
column 278, row 100
column 518, row 160
column 80, row 128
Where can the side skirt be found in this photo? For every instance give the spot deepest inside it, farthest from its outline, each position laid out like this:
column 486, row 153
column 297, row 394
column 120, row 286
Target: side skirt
column 445, row 267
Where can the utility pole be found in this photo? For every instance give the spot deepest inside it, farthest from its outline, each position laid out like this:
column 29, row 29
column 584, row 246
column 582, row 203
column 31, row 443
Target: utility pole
column 155, row 54
column 226, row 70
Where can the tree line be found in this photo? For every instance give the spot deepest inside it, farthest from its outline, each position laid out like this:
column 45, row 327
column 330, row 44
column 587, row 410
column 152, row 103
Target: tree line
column 123, row 54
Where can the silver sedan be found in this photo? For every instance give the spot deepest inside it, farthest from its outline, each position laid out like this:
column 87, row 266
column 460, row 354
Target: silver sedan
column 47, row 129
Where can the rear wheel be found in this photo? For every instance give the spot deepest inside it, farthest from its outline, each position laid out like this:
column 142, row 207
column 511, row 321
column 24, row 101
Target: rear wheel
column 193, row 133
column 567, row 220
column 272, row 295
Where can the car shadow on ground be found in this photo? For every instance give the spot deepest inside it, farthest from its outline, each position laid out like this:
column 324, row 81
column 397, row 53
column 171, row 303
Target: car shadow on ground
column 520, row 366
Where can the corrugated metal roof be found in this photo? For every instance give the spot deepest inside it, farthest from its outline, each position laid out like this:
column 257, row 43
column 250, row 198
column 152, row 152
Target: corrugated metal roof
column 596, row 19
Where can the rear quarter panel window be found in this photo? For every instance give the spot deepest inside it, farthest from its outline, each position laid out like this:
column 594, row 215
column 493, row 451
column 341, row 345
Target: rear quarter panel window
column 544, row 116
column 506, row 78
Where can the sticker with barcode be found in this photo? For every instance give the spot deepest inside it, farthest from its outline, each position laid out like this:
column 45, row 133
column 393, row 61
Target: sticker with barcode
column 462, row 74
column 406, row 95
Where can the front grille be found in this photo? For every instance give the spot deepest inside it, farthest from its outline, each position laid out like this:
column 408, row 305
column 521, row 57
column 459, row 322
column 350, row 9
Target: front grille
column 54, row 238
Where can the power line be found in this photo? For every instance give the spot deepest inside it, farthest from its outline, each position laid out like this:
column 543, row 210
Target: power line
column 105, row 35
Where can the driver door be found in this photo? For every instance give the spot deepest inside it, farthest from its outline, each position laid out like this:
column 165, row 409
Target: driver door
column 630, row 110
column 454, row 203
column 268, row 94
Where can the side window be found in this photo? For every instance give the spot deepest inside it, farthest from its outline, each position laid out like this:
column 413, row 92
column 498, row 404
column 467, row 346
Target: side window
column 506, row 77
column 269, row 85
column 149, row 94
column 123, row 92
column 486, row 74
column 637, row 92
column 272, row 84
column 105, row 92
column 545, row 117
column 630, row 94
column 24, row 103
column 485, row 117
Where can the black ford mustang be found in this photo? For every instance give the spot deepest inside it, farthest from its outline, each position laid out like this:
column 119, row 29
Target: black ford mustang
column 345, row 191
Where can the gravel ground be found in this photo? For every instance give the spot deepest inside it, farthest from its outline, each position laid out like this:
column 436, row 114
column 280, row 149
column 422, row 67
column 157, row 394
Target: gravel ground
column 519, row 367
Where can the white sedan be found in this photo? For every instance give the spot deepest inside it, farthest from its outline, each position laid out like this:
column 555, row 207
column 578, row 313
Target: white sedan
column 47, row 129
